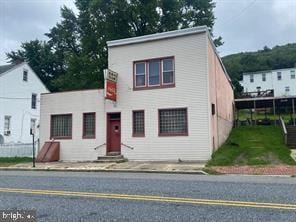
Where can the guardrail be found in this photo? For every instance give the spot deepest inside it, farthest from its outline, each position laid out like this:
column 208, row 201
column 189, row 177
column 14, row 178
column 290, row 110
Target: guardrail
column 97, row 147
column 127, row 146
column 284, row 129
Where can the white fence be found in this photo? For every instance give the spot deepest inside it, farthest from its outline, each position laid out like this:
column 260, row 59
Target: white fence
column 17, row 150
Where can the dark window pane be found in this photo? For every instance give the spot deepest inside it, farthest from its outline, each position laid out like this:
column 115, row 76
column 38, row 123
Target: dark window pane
column 61, row 126
column 89, row 125
column 154, row 72
column 140, row 68
column 140, row 80
column 168, row 65
column 168, row 77
column 173, row 121
column 138, row 122
column 33, row 101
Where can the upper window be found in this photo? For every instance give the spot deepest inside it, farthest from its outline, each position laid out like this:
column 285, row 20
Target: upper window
column 173, row 122
column 25, row 75
column 279, row 75
column 89, row 125
column 154, row 73
column 138, row 123
column 61, row 126
column 292, row 74
column 34, row 101
column 263, row 77
column 140, row 74
column 287, row 89
column 251, row 78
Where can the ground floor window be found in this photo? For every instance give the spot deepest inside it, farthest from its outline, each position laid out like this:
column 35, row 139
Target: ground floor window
column 138, row 123
column 89, row 125
column 173, row 122
column 7, row 120
column 61, row 126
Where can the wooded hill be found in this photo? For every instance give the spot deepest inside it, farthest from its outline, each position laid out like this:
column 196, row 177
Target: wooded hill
column 278, row 57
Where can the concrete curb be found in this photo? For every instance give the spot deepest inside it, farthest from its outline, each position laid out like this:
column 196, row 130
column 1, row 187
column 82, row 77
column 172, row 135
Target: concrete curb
column 198, row 172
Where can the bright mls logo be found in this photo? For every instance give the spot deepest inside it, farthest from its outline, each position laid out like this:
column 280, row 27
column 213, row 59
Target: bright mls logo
column 110, row 84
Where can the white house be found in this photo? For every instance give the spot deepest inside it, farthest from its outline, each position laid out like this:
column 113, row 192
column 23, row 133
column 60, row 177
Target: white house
column 174, row 101
column 282, row 81
column 20, row 90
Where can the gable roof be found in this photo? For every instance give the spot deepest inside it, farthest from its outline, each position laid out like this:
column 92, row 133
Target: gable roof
column 5, row 68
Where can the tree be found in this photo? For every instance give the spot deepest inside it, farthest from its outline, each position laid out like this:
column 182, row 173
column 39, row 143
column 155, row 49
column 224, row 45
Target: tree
column 78, row 42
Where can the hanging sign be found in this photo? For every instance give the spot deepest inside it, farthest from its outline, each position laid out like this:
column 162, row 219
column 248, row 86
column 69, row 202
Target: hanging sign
column 110, row 84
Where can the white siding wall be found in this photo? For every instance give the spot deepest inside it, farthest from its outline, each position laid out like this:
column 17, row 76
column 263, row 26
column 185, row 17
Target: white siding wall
column 13, row 86
column 271, row 82
column 191, row 91
column 77, row 103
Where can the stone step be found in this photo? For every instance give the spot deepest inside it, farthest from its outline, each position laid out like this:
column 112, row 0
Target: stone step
column 111, row 159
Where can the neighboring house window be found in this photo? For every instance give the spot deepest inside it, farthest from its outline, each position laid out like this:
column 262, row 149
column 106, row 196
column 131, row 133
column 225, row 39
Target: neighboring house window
column 33, row 126
column 173, row 122
column 25, row 75
column 89, row 125
column 159, row 72
column 279, row 75
column 34, row 101
column 140, row 74
column 292, row 74
column 258, row 88
column 213, row 109
column 263, row 77
column 287, row 89
column 7, row 122
column 138, row 123
column 251, row 78
column 61, row 126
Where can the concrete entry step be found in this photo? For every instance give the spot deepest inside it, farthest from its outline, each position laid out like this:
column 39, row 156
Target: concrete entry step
column 110, row 159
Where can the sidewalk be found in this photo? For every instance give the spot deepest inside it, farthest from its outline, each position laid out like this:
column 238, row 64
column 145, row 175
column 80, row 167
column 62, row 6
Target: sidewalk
column 130, row 166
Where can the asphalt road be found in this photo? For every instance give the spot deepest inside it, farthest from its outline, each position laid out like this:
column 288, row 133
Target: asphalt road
column 68, row 196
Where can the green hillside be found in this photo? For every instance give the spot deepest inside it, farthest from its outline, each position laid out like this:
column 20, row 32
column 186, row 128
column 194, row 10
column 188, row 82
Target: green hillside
column 277, row 57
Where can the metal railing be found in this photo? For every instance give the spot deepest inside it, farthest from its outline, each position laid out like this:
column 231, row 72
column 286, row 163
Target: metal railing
column 97, row 147
column 284, row 129
column 127, row 146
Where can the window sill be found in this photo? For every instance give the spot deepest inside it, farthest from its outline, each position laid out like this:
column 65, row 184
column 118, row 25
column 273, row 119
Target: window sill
column 88, row 137
column 154, row 87
column 138, row 135
column 61, row 138
column 172, row 134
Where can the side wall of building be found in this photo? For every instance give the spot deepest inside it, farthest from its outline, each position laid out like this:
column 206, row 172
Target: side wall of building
column 190, row 91
column 222, row 98
column 75, row 103
column 15, row 101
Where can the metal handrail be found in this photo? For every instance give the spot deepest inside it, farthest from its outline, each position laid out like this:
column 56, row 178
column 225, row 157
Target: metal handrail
column 97, row 147
column 127, row 146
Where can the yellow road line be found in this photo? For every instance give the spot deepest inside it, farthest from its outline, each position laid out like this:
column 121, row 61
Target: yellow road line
column 152, row 198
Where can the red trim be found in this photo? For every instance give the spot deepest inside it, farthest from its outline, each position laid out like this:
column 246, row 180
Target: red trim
column 138, row 134
column 61, row 137
column 83, row 130
column 107, row 130
column 173, row 134
column 161, row 85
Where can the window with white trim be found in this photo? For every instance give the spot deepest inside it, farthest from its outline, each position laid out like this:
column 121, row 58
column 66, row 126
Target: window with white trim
column 61, row 126
column 251, row 78
column 279, row 76
column 263, row 77
column 34, row 101
column 7, row 123
column 168, row 71
column 287, row 89
column 154, row 73
column 25, row 75
column 140, row 74
column 173, row 122
column 292, row 74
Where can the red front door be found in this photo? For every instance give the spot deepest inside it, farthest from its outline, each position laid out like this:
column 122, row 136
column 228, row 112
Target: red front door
column 113, row 134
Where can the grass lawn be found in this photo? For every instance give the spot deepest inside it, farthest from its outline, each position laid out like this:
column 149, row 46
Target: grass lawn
column 253, row 145
column 8, row 161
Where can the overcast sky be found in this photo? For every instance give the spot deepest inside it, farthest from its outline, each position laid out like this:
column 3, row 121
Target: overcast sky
column 245, row 25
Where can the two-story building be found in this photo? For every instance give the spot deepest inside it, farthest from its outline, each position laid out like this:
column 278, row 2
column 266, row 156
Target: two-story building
column 174, row 102
column 281, row 81
column 20, row 90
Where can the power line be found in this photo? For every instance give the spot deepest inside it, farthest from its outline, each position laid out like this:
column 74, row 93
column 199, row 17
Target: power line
column 240, row 13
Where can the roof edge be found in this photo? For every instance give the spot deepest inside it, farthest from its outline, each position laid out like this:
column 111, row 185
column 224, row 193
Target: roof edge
column 157, row 36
